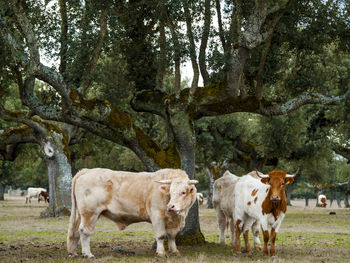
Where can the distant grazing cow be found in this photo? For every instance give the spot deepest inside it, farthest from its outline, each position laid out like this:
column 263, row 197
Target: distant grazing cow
column 200, row 198
column 162, row 198
column 45, row 196
column 33, row 192
column 224, row 204
column 262, row 200
column 322, row 201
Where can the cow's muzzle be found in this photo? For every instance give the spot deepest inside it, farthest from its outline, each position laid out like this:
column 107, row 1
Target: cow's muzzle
column 173, row 209
column 275, row 198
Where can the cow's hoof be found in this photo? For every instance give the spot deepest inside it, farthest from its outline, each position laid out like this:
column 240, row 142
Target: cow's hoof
column 175, row 252
column 89, row 256
column 73, row 255
column 162, row 254
column 258, row 247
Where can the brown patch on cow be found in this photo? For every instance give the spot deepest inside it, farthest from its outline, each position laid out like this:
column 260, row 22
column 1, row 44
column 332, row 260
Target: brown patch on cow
column 255, row 199
column 323, row 200
column 249, row 203
column 254, row 192
column 108, row 189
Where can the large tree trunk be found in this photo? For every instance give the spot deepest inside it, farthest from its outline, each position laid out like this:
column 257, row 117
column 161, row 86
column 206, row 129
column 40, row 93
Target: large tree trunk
column 306, row 201
column 2, row 191
column 185, row 139
column 60, row 180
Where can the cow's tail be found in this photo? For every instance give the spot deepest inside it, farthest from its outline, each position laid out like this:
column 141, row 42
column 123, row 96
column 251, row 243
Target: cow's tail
column 216, row 195
column 74, row 220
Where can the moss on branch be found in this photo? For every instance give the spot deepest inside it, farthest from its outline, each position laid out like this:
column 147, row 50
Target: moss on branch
column 163, row 158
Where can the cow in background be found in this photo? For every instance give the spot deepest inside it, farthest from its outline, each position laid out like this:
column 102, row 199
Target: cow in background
column 44, row 196
column 322, row 201
column 224, row 205
column 162, row 198
column 263, row 200
column 33, row 192
column 200, row 198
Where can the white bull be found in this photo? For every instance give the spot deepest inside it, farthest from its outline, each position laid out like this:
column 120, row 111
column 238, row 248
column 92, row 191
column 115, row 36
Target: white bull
column 162, row 198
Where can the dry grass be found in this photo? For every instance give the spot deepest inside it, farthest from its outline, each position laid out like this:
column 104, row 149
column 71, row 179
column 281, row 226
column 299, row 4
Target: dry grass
column 306, row 235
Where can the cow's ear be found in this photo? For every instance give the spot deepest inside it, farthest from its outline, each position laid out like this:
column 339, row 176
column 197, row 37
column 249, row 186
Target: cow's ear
column 164, row 189
column 265, row 180
column 165, row 185
column 288, row 180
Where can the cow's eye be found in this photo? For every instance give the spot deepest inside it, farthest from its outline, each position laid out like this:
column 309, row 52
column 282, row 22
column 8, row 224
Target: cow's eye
column 183, row 193
column 282, row 184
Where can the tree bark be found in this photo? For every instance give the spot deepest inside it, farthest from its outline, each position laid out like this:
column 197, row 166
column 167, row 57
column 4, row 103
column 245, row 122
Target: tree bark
column 60, row 178
column 2, row 191
column 183, row 130
column 306, row 201
column 289, row 193
column 211, row 186
column 346, row 201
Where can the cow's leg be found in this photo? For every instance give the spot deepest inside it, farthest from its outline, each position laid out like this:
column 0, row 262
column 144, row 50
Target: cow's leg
column 222, row 224
column 273, row 238
column 232, row 229
column 172, row 245
column 247, row 225
column 159, row 233
column 238, row 228
column 86, row 228
column 264, row 227
column 255, row 230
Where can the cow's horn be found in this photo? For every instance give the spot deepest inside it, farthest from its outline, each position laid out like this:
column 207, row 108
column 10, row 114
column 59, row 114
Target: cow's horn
column 292, row 175
column 192, row 182
column 164, row 181
column 264, row 175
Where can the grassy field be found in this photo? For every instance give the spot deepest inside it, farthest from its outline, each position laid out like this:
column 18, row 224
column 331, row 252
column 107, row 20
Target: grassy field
column 306, row 235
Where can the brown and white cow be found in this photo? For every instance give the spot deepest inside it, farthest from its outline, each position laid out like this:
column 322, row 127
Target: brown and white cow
column 162, row 198
column 322, row 201
column 224, row 204
column 34, row 192
column 262, row 200
column 200, row 198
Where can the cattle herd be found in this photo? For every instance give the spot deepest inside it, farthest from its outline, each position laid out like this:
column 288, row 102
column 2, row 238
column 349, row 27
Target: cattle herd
column 254, row 201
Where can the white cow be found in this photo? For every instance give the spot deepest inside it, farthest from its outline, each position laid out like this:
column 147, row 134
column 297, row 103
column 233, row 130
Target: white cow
column 224, row 204
column 33, row 192
column 200, row 198
column 262, row 200
column 162, row 198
